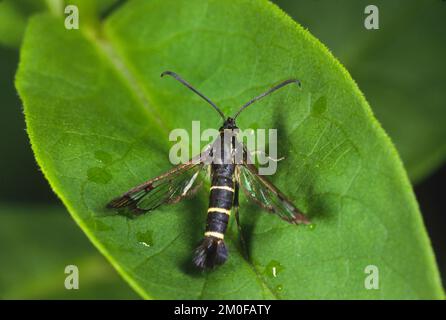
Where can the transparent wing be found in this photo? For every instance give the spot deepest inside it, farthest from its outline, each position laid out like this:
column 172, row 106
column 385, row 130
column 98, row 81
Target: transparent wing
column 266, row 195
column 181, row 181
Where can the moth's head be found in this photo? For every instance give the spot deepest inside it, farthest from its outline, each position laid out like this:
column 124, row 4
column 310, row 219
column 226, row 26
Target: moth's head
column 229, row 124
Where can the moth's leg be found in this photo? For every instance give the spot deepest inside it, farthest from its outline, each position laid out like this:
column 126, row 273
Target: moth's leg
column 237, row 219
column 260, row 152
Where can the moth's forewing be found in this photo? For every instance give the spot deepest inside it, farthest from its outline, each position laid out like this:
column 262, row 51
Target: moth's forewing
column 171, row 187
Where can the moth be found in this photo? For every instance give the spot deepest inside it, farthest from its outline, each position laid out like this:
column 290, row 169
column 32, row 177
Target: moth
column 227, row 161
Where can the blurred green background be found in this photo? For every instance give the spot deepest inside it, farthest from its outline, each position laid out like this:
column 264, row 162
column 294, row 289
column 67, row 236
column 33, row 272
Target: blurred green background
column 401, row 69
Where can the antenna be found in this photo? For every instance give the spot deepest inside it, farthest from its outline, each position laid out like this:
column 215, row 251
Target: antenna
column 280, row 85
column 177, row 77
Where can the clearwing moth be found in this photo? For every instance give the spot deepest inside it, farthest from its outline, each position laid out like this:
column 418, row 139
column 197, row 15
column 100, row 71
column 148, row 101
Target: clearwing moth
column 228, row 175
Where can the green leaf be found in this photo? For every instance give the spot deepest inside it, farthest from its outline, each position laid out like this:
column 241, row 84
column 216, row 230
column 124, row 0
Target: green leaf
column 36, row 244
column 21, row 181
column 14, row 15
column 90, row 11
column 399, row 67
column 98, row 116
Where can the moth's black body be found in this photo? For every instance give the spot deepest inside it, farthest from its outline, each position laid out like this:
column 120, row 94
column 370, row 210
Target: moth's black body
column 213, row 251
column 228, row 176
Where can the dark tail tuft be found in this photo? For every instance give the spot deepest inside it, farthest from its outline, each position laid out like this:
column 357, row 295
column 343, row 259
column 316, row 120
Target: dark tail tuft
column 211, row 252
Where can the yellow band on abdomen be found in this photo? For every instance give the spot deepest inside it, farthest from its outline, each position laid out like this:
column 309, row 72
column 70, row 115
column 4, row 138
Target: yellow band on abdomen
column 223, row 188
column 222, row 210
column 214, row 234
